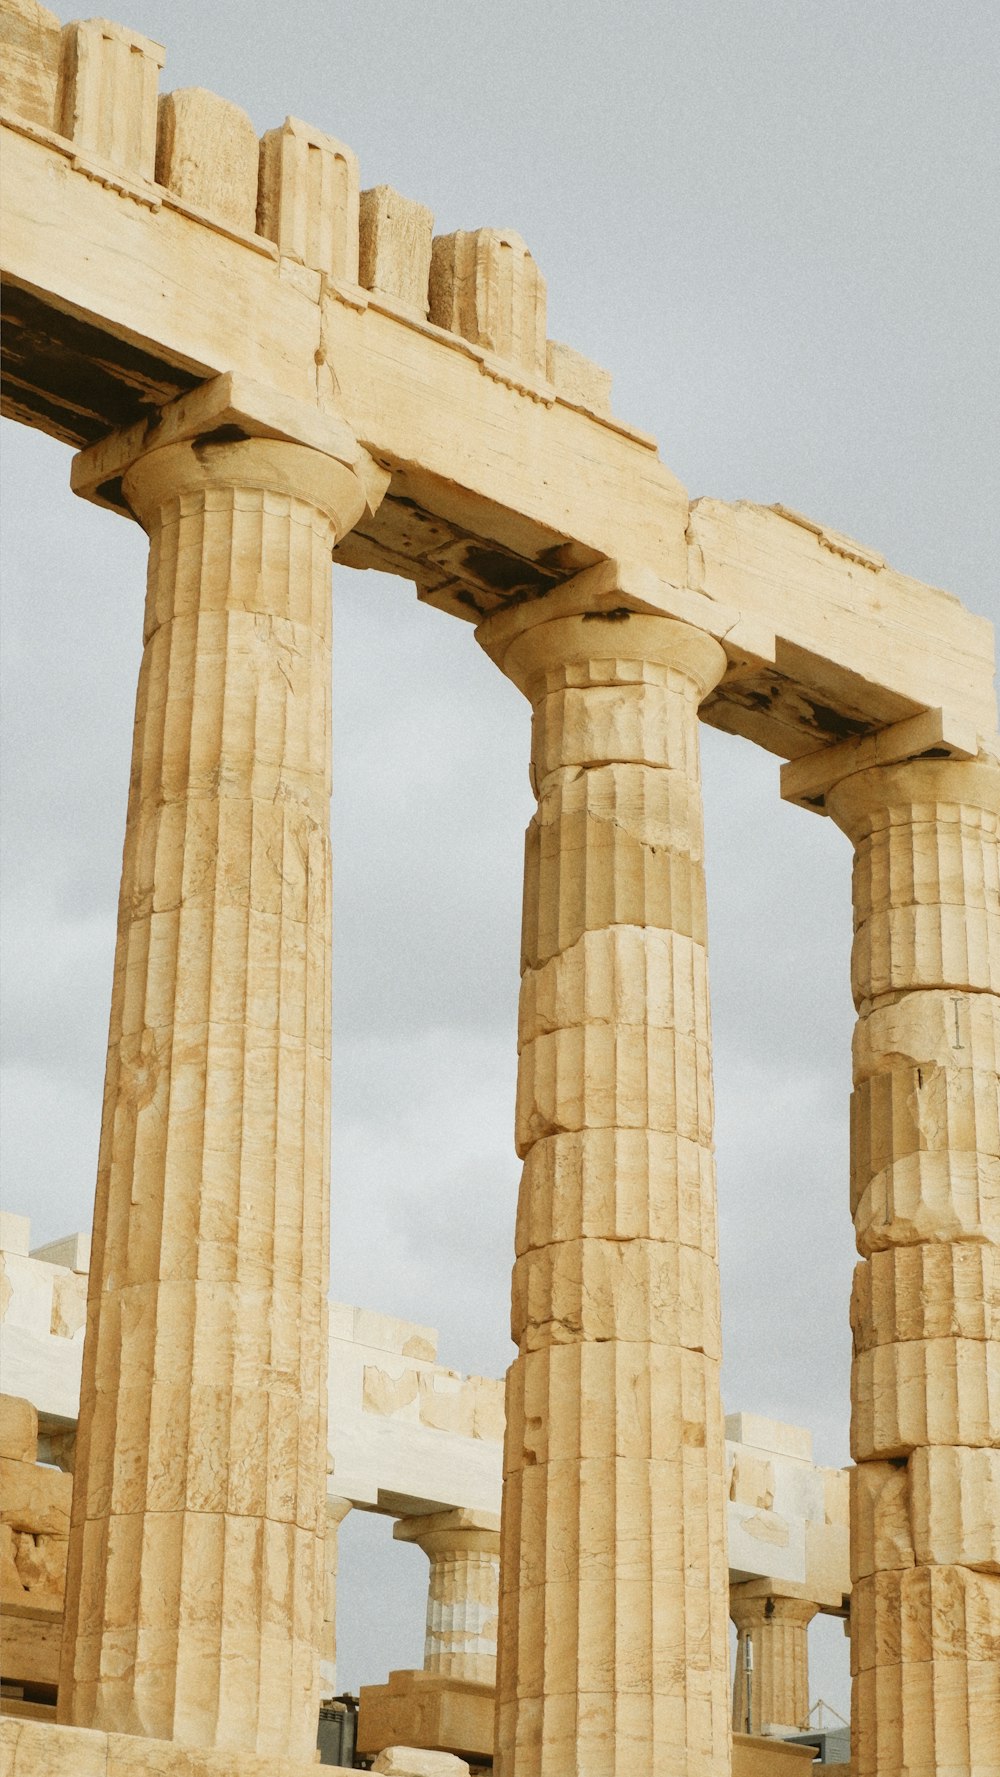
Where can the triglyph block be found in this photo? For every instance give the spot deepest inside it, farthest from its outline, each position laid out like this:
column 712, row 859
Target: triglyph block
column 310, row 198
column 485, row 285
column 110, row 78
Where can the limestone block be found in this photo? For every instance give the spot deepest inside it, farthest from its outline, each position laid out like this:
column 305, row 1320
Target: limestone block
column 15, row 1233
column 828, row 1563
column 32, row 1632
column 577, row 379
column 429, row 1710
column 388, row 1394
column 933, row 1391
column 30, row 48
column 18, row 1429
column 411, row 1761
column 110, row 78
column 395, row 246
column 71, row 1250
column 69, row 1304
column 208, row 154
column 598, row 1290
column 925, row 1120
column 41, row 1749
column 34, row 1499
column 636, row 713
column 751, row 1480
column 932, row 1291
column 924, row 1613
column 50, row 1749
column 760, row 1433
column 485, row 285
column 309, row 198
column 881, row 1533
column 11, row 1583
column 616, row 845
column 623, row 1184
column 41, row 1563
column 955, row 1507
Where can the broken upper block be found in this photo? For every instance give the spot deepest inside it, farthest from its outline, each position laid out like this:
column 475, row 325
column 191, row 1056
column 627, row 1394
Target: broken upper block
column 110, row 79
column 486, row 286
column 30, row 49
column 207, row 153
column 395, row 246
column 309, row 198
column 577, row 379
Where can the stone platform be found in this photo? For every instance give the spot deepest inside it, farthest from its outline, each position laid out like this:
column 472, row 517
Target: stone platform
column 431, row 1709
column 43, row 1749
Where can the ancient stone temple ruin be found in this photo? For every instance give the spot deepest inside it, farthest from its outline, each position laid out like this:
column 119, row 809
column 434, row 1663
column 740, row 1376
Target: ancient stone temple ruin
column 267, row 368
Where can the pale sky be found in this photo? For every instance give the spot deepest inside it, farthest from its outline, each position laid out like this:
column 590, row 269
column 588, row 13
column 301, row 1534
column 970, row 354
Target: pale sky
column 776, row 224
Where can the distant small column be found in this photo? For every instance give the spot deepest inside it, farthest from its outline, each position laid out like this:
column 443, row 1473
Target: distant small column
column 336, row 1511
column 777, row 1629
column 463, row 1548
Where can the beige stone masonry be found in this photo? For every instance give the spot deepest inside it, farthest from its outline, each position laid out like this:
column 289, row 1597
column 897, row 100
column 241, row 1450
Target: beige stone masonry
column 30, row 54
column 110, row 79
column 485, row 285
column 207, row 153
column 777, row 1628
column 432, row 1710
column 309, row 198
column 577, row 377
column 196, row 1587
column 613, row 1650
column 41, row 1749
column 925, row 1191
column 395, row 246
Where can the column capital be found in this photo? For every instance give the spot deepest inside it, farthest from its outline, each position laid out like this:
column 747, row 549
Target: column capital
column 439, row 1533
column 934, row 737
column 858, row 801
column 607, row 615
column 753, row 1603
column 211, row 420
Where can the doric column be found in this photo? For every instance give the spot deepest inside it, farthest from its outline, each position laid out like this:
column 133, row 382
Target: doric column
column 196, row 1581
column 613, row 1636
column 336, row 1511
column 777, row 1629
column 463, row 1548
column 925, row 1605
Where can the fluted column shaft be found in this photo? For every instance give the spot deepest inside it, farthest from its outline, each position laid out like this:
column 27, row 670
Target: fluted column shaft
column 925, row 1605
column 777, row 1629
column 613, row 1596
column 463, row 1548
column 196, row 1571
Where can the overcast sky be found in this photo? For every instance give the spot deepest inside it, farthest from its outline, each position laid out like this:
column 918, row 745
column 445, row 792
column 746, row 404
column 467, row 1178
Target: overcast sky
column 776, row 224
